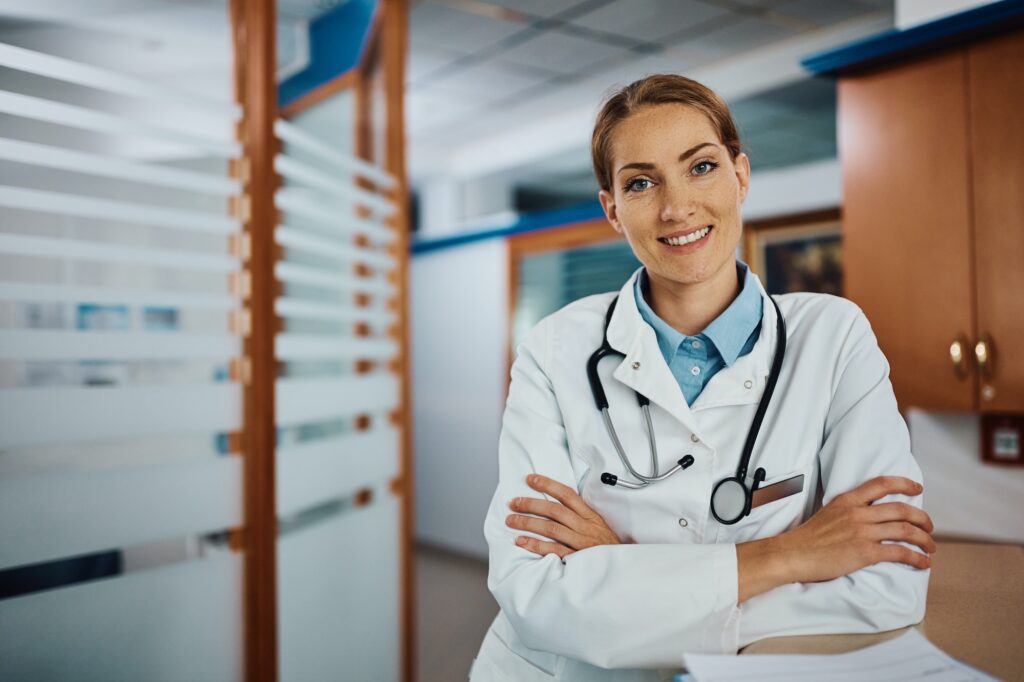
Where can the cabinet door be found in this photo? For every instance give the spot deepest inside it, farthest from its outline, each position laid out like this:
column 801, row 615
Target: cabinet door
column 996, row 82
column 906, row 221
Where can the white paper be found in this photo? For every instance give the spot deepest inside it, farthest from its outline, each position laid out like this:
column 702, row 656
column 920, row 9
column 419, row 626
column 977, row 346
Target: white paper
column 908, row 658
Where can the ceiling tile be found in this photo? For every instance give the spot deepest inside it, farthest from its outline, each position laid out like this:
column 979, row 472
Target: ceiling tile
column 426, row 110
column 444, row 28
column 825, row 12
column 734, row 39
column 648, row 20
column 423, row 60
column 487, row 82
column 559, row 52
column 541, row 8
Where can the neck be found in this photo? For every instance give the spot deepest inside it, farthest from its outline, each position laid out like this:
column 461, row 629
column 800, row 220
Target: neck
column 689, row 308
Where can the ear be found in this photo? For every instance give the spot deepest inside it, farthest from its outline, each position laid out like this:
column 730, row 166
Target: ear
column 608, row 204
column 742, row 164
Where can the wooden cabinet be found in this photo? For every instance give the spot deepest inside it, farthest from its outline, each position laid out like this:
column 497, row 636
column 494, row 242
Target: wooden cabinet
column 932, row 153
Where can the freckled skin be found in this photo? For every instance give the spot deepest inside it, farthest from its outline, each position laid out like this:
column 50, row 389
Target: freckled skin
column 676, row 196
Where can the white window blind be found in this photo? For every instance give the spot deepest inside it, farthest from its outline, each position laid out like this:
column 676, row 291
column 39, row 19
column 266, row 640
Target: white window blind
column 119, row 409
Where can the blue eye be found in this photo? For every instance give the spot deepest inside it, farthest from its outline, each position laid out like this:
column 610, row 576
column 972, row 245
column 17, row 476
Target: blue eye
column 707, row 165
column 634, row 185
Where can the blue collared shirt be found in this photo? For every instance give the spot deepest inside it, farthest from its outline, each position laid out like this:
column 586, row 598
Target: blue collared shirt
column 695, row 359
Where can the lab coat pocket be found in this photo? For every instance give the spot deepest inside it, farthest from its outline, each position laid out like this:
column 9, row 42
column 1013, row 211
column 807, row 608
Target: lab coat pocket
column 772, row 518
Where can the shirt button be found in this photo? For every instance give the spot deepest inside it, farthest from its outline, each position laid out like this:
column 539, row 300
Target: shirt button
column 683, row 523
column 695, row 371
column 693, row 437
column 695, row 344
column 748, row 384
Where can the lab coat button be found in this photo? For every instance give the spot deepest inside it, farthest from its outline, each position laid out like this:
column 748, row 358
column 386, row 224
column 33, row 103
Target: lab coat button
column 636, row 365
column 693, row 437
column 683, row 523
column 748, row 384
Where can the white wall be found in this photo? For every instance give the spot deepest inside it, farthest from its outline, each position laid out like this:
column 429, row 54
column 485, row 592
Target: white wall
column 459, row 334
column 965, row 497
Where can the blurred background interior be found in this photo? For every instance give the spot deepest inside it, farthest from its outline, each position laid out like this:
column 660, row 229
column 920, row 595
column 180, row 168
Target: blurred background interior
column 257, row 315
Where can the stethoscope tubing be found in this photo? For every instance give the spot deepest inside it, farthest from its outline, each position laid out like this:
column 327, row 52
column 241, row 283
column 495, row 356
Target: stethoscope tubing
column 601, row 401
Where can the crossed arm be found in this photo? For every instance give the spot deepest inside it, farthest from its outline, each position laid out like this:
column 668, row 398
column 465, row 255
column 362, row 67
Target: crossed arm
column 844, row 536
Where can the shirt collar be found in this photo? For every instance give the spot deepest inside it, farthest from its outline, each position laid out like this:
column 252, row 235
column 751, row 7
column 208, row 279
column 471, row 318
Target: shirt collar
column 728, row 332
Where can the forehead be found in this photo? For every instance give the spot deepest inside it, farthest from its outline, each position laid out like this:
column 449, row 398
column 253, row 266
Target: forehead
column 660, row 130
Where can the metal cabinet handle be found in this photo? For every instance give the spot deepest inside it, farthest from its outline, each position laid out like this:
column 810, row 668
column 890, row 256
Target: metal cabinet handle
column 984, row 353
column 958, row 356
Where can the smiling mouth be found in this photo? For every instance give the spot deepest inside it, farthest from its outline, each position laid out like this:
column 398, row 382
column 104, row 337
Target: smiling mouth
column 694, row 236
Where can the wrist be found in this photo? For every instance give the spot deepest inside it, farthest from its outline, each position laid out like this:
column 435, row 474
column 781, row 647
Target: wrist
column 763, row 565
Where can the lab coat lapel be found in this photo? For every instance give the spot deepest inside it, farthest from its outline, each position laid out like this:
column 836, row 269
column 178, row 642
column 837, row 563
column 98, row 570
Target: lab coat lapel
column 644, row 369
column 729, row 386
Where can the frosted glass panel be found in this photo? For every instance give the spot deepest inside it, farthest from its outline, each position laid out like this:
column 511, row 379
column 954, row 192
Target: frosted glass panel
column 34, row 416
column 338, row 597
column 179, row 622
column 308, row 400
column 327, row 469
column 46, row 517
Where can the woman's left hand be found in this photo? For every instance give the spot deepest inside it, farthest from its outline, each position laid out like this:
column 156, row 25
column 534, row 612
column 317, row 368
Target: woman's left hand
column 572, row 525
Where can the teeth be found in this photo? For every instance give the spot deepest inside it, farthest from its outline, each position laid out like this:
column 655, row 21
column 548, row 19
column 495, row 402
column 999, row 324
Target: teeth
column 692, row 237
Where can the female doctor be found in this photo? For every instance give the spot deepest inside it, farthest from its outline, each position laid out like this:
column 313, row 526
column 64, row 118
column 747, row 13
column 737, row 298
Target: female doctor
column 621, row 539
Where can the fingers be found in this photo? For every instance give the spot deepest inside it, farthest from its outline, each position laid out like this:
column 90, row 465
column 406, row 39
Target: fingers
column 551, row 530
column 880, row 486
column 903, row 531
column 561, row 492
column 550, row 510
column 543, row 548
column 899, row 511
column 902, row 555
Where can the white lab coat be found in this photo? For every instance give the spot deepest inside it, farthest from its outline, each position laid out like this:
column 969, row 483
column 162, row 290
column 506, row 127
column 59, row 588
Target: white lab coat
column 628, row 612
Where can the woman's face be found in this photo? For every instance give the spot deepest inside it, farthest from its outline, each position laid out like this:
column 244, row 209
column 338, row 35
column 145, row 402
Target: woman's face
column 676, row 193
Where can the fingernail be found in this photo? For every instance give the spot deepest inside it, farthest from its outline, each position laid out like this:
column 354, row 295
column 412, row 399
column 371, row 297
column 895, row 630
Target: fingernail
column 513, row 502
column 520, row 540
column 508, row 519
column 532, row 478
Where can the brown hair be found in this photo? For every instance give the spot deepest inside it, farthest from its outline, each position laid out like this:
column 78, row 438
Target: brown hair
column 665, row 88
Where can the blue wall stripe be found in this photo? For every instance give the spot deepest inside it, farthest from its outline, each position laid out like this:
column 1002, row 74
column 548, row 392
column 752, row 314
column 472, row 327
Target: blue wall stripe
column 893, row 46
column 532, row 222
column 336, row 42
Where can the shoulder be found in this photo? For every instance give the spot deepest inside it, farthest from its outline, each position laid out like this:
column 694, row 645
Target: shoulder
column 821, row 316
column 579, row 324
column 830, row 331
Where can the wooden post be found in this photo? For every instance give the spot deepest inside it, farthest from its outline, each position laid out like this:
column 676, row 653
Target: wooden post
column 255, row 81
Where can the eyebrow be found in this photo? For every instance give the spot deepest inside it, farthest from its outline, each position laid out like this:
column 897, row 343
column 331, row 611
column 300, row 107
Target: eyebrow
column 640, row 165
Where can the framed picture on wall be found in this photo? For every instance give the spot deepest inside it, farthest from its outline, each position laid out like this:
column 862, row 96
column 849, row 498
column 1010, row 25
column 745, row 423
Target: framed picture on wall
column 797, row 253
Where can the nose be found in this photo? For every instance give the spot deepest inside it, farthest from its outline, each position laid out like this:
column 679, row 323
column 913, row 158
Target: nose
column 677, row 203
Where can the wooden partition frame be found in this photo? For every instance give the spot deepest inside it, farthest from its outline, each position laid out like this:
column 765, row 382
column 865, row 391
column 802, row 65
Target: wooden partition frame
column 383, row 57
column 254, row 24
column 572, row 236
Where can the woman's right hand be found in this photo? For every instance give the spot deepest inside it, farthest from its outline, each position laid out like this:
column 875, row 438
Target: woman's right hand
column 844, row 536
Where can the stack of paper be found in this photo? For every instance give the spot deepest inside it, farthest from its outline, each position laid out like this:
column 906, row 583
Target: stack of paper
column 908, row 658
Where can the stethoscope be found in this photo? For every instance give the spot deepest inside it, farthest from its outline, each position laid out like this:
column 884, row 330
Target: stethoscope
column 731, row 497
